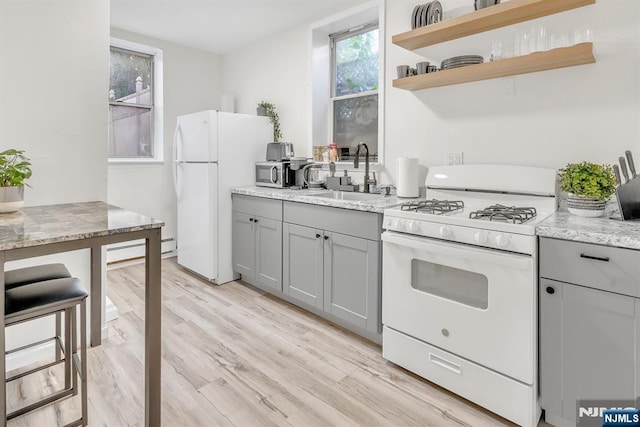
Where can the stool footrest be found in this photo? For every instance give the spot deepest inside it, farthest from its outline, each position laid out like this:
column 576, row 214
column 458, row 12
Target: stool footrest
column 39, row 404
column 34, row 370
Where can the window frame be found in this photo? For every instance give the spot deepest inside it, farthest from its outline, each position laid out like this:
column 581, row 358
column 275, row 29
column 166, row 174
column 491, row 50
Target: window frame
column 333, row 40
column 321, row 109
column 157, row 134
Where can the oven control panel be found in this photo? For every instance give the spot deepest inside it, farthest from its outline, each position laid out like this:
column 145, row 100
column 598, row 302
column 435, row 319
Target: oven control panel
column 505, row 241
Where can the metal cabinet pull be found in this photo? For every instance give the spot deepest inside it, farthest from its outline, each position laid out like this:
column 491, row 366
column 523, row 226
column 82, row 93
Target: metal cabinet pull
column 250, row 219
column 326, row 237
column 255, row 220
column 596, row 258
column 550, row 290
column 317, row 236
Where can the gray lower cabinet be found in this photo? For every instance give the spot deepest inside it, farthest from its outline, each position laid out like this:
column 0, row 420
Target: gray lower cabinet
column 333, row 271
column 589, row 335
column 303, row 250
column 257, row 241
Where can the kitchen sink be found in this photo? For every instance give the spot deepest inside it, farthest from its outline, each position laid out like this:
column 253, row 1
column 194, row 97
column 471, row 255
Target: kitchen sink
column 347, row 195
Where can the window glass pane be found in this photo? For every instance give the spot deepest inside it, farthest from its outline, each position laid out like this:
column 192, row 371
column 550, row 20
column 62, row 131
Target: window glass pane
column 356, row 60
column 131, row 77
column 130, row 132
column 356, row 120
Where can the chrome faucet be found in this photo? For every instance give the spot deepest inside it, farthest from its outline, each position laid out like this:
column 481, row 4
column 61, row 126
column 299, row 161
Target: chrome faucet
column 356, row 164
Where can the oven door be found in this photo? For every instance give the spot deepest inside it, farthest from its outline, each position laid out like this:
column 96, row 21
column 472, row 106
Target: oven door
column 476, row 303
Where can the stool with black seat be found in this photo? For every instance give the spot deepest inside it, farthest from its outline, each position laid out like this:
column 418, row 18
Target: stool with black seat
column 44, row 298
column 39, row 273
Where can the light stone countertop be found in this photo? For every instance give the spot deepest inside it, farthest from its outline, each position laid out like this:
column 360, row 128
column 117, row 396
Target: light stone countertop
column 377, row 205
column 600, row 231
column 40, row 225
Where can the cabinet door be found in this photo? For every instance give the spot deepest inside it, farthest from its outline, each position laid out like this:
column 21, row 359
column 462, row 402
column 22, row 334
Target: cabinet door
column 243, row 251
column 268, row 233
column 589, row 340
column 302, row 263
column 351, row 280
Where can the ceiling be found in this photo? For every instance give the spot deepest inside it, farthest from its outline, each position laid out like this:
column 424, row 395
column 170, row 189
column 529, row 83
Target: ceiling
column 218, row 26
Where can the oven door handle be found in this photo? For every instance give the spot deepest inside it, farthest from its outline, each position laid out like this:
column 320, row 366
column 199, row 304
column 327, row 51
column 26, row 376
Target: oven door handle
column 457, row 251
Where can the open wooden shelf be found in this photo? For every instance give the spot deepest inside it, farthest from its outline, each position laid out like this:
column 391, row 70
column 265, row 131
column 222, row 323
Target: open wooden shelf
column 486, row 19
column 579, row 54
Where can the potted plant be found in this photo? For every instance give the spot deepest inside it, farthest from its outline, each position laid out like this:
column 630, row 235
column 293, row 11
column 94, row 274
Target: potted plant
column 15, row 169
column 589, row 186
column 269, row 110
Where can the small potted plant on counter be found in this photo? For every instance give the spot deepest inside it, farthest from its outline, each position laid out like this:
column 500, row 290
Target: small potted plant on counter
column 15, row 169
column 269, row 110
column 589, row 187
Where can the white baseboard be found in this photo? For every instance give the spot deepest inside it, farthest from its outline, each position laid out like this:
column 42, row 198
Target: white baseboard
column 111, row 312
column 31, row 355
column 136, row 249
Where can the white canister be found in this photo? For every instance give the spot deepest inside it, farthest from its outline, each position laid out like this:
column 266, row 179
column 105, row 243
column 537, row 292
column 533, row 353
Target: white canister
column 407, row 177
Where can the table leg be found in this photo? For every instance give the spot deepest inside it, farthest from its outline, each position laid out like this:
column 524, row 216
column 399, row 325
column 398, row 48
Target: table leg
column 95, row 296
column 3, row 397
column 153, row 310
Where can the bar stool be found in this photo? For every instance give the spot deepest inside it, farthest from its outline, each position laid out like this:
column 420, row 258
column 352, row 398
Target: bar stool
column 26, row 302
column 39, row 273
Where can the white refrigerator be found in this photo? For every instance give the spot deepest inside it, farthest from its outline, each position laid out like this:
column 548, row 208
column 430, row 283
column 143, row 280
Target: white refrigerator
column 213, row 151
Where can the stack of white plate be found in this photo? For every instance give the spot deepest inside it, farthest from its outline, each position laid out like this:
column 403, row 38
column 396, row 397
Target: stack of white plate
column 426, row 14
column 461, row 61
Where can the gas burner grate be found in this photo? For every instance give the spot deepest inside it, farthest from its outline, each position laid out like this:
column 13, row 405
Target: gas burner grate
column 433, row 206
column 513, row 214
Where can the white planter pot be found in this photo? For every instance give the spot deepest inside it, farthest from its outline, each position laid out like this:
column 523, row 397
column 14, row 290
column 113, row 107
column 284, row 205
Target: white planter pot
column 585, row 206
column 11, row 198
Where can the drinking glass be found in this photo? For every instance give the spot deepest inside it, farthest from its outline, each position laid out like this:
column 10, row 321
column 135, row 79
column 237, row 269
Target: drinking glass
column 582, row 35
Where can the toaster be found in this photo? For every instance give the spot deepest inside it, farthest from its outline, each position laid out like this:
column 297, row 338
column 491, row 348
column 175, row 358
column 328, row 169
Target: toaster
column 279, row 151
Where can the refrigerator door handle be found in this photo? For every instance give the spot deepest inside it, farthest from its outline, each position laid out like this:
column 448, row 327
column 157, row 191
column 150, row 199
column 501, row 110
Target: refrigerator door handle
column 176, row 163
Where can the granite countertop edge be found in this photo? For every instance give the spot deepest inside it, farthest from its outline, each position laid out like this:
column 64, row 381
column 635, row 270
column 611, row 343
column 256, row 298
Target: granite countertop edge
column 310, row 197
column 600, row 231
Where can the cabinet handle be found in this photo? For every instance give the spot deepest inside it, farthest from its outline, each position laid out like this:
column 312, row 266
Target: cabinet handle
column 597, row 258
column 250, row 219
column 326, row 237
column 255, row 220
column 317, row 236
column 550, row 290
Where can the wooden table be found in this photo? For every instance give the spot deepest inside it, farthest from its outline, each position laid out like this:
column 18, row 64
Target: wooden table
column 42, row 230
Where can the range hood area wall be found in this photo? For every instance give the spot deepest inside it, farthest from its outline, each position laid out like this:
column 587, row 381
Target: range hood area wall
column 544, row 119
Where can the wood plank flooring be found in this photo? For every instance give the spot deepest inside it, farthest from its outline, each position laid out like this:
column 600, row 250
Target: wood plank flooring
column 233, row 356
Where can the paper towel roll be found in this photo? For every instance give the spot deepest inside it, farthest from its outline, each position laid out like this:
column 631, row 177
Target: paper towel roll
column 407, row 177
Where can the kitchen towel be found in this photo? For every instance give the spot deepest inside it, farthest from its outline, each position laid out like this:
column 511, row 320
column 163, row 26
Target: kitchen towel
column 407, row 177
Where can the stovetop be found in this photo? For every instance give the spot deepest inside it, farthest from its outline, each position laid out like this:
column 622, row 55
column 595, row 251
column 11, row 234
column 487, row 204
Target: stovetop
column 482, row 215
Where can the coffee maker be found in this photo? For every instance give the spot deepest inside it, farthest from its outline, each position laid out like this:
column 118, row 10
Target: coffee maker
column 297, row 165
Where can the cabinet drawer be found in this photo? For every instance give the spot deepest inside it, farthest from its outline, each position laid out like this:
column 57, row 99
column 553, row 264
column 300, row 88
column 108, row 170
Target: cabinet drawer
column 265, row 208
column 600, row 267
column 367, row 225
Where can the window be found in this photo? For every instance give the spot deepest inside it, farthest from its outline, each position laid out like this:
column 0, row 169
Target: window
column 134, row 102
column 347, row 82
column 354, row 90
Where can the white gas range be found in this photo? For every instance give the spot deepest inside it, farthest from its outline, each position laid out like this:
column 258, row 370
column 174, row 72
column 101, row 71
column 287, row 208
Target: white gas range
column 460, row 284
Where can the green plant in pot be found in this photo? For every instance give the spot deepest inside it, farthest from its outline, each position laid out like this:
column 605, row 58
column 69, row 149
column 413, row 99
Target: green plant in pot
column 15, row 169
column 269, row 110
column 589, row 186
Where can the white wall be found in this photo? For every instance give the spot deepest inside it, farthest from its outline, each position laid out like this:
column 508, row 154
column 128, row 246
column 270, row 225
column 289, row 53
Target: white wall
column 54, row 61
column 275, row 70
column 192, row 82
column 543, row 119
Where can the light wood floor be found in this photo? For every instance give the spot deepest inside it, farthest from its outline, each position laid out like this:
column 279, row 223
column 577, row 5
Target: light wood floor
column 233, row 356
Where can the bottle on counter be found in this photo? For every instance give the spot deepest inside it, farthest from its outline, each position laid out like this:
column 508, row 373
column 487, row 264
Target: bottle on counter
column 333, row 152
